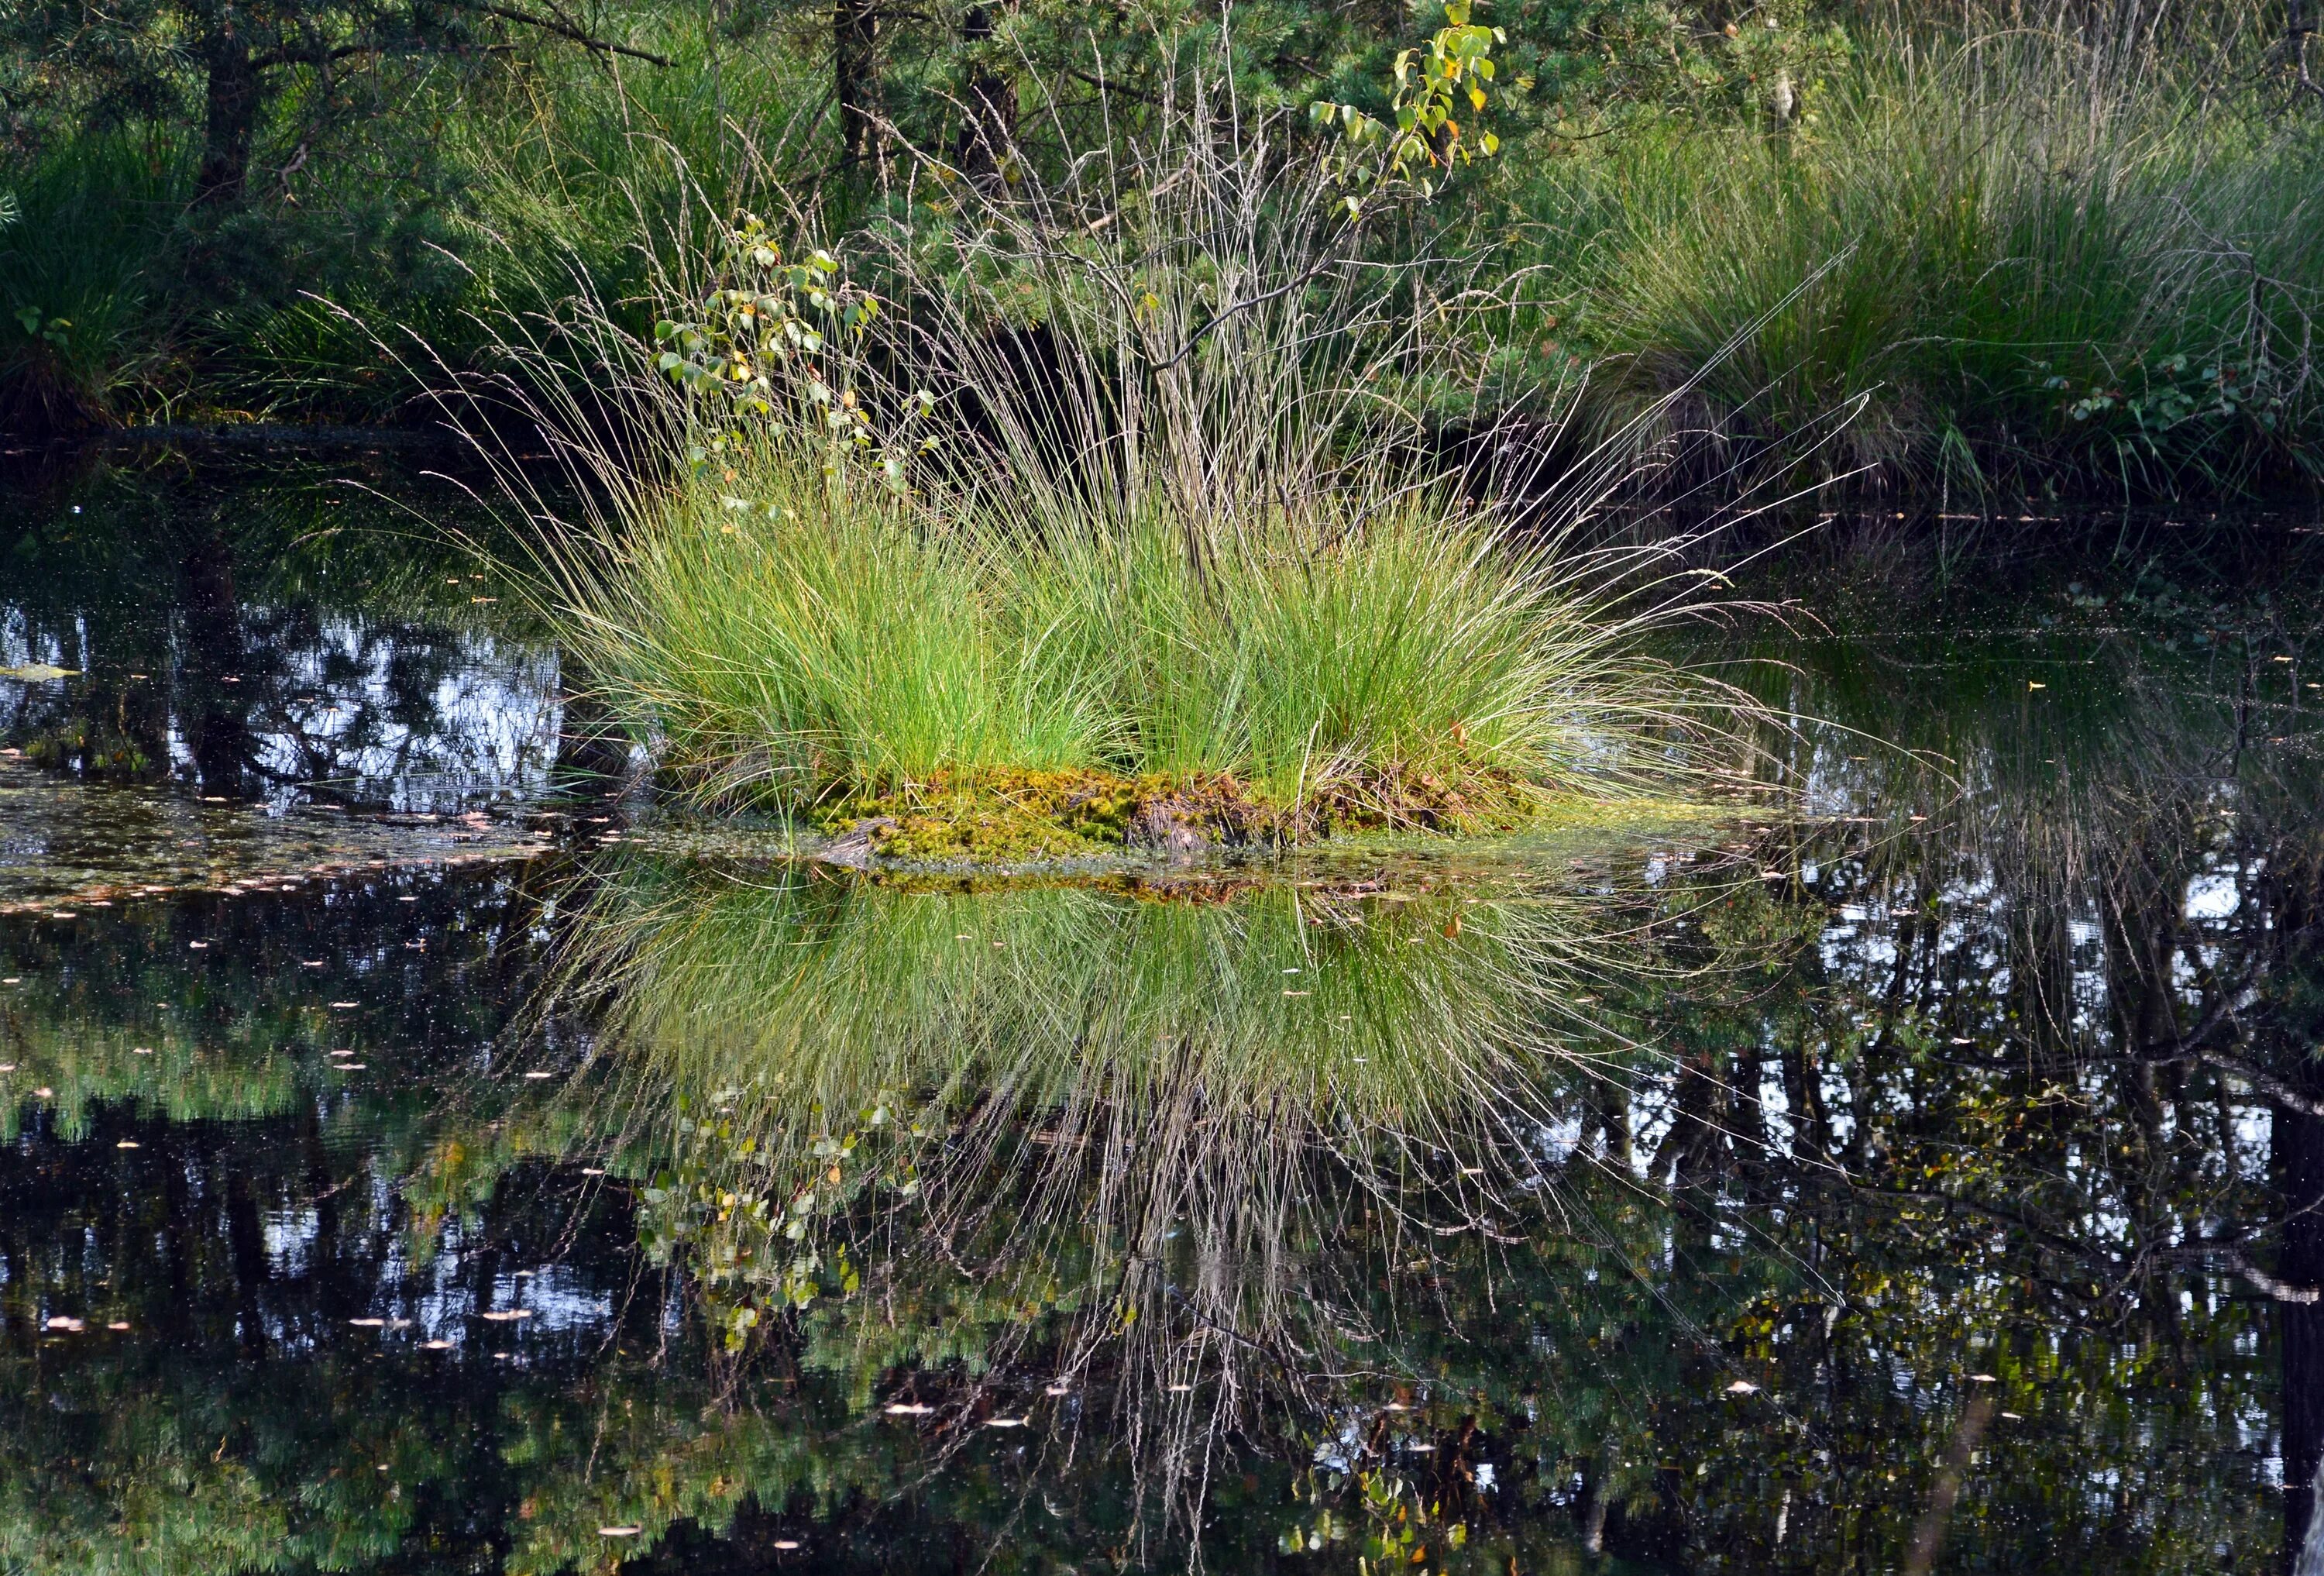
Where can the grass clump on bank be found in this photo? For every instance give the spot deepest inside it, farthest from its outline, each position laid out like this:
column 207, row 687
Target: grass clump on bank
column 2031, row 257
column 1091, row 534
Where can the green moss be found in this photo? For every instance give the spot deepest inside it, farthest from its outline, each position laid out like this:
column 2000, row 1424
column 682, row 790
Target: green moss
column 1009, row 814
column 94, row 750
column 1006, row 815
column 993, row 814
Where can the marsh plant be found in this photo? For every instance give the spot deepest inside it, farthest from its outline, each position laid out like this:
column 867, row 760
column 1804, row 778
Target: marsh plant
column 1109, row 488
column 2040, row 248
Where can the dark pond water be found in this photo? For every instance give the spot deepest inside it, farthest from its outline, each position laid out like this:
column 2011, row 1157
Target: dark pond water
column 412, row 1158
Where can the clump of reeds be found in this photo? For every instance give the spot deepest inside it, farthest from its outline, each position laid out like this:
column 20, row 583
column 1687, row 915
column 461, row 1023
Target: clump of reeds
column 2035, row 254
column 1105, row 475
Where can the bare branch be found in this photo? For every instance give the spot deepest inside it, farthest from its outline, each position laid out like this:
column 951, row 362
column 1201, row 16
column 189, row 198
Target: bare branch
column 561, row 27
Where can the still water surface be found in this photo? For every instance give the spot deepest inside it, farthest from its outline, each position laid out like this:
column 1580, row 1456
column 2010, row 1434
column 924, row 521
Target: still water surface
column 415, row 1156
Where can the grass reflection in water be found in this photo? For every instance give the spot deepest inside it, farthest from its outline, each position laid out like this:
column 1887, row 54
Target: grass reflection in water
column 1010, row 1144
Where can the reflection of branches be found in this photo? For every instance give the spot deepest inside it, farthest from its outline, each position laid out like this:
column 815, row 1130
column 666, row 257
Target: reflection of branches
column 2123, row 1264
column 2049, row 1237
column 2280, row 1091
column 2278, row 1290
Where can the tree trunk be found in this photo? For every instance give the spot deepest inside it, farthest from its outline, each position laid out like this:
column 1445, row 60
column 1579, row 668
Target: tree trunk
column 2297, row 1155
column 988, row 128
column 231, row 117
column 2299, row 1144
column 855, row 78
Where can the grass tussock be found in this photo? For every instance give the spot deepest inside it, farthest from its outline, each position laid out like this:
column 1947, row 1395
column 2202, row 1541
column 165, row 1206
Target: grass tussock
column 81, row 325
column 1122, row 501
column 839, row 651
column 2028, row 258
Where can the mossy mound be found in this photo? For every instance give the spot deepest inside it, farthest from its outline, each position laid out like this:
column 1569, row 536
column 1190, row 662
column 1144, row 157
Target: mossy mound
column 1001, row 816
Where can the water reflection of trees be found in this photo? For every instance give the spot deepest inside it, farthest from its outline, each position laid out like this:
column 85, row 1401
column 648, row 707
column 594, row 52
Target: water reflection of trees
column 257, row 635
column 2081, row 947
column 1776, row 1151
column 1805, row 1188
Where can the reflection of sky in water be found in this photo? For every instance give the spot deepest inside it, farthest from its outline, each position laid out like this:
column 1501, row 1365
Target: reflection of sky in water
column 290, row 1239
column 2213, row 896
column 485, row 729
column 416, row 717
column 553, row 1299
column 19, row 646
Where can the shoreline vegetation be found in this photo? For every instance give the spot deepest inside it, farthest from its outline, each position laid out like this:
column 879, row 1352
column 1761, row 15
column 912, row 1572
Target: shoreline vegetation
column 1951, row 253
